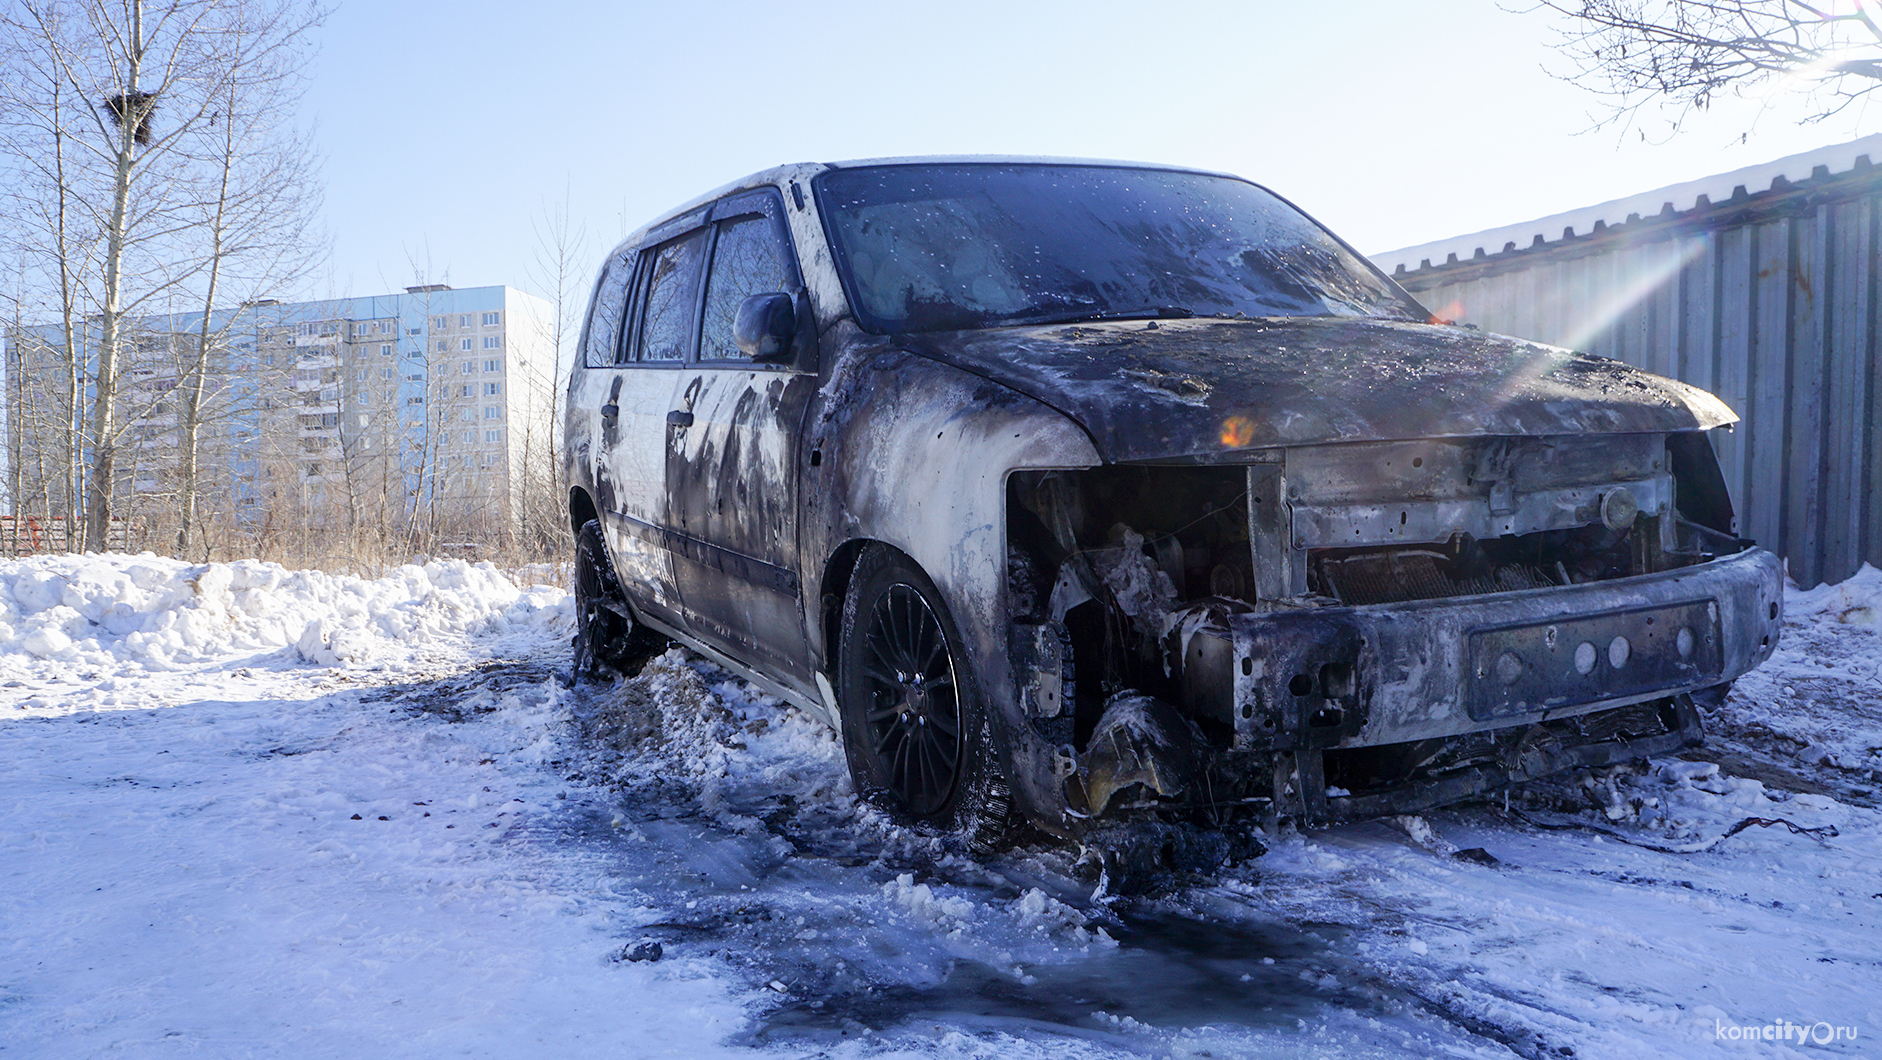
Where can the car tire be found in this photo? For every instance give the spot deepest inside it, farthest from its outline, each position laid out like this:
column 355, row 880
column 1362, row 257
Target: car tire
column 915, row 730
column 606, row 640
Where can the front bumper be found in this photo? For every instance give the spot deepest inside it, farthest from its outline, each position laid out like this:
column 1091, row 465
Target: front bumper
column 1349, row 677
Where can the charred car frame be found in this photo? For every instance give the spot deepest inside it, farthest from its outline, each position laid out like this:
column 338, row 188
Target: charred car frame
column 1079, row 493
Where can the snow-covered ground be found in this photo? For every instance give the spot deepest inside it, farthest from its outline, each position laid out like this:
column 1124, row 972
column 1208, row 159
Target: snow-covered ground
column 253, row 812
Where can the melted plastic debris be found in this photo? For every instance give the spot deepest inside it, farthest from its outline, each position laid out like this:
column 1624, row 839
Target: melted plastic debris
column 1143, row 591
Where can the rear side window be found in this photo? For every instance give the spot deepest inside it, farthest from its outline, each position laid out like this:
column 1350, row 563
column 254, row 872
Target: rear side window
column 604, row 316
column 666, row 331
column 750, row 257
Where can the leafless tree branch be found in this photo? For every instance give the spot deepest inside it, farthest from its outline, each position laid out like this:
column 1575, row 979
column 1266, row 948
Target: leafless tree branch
column 1679, row 56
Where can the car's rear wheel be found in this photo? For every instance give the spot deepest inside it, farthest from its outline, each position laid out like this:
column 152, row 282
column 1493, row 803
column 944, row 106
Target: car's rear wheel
column 914, row 728
column 607, row 641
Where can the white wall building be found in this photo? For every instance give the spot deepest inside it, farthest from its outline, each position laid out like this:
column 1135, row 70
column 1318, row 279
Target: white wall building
column 427, row 411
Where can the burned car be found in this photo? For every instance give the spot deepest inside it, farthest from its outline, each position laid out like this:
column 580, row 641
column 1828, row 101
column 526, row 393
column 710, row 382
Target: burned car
column 1078, row 493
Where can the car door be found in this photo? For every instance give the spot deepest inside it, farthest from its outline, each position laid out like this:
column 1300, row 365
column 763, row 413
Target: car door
column 648, row 353
column 732, row 471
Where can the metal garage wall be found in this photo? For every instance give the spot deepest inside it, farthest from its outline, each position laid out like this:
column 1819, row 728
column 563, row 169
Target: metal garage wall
column 1769, row 301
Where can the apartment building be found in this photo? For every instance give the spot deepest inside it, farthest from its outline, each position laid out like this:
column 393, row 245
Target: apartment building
column 428, row 410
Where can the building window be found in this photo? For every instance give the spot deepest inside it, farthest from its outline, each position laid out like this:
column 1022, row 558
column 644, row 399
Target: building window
column 440, row 322
column 493, row 342
column 469, row 367
column 443, row 345
column 385, row 349
column 493, row 436
column 490, row 320
column 469, row 436
column 464, row 321
column 464, row 344
column 415, row 399
column 492, row 412
column 489, row 366
column 465, row 391
column 385, row 373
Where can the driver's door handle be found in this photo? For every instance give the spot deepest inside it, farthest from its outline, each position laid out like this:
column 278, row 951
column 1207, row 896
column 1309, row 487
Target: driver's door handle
column 679, row 418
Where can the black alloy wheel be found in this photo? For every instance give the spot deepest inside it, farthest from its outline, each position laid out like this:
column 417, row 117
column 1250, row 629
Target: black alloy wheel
column 606, row 641
column 914, row 729
column 914, row 719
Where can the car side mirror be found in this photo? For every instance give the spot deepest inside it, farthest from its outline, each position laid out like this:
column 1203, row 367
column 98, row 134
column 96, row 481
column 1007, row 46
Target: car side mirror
column 765, row 327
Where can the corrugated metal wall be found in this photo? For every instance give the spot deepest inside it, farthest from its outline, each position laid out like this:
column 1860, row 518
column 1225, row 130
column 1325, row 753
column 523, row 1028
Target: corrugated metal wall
column 1769, row 301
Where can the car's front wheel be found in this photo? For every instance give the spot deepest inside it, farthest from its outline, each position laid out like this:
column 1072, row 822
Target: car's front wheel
column 606, row 639
column 914, row 728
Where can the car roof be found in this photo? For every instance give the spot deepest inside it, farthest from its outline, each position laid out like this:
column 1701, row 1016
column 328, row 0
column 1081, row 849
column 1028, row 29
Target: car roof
column 1017, row 160
column 779, row 176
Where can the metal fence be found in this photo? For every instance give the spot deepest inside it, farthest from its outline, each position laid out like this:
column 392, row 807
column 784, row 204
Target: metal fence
column 1768, row 300
column 25, row 535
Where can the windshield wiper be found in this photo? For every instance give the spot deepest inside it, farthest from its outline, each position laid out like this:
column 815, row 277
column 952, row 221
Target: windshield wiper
column 1155, row 312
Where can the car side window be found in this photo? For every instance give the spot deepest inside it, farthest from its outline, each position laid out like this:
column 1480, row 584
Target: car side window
column 666, row 329
column 749, row 257
column 607, row 313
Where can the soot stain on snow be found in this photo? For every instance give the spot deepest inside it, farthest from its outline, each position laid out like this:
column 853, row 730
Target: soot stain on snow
column 464, row 694
column 1168, row 971
column 815, row 927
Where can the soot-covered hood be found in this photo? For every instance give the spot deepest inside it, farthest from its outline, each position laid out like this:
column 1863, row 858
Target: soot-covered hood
column 1211, row 388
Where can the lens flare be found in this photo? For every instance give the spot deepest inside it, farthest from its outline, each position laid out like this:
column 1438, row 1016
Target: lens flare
column 1661, row 266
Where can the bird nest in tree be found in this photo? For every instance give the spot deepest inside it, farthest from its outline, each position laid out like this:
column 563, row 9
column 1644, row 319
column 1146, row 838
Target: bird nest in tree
column 133, row 105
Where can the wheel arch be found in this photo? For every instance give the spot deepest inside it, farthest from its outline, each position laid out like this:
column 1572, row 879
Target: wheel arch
column 581, row 509
column 833, row 587
column 838, row 575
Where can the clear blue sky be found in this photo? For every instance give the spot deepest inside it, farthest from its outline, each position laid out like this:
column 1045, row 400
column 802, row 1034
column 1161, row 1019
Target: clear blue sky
column 447, row 128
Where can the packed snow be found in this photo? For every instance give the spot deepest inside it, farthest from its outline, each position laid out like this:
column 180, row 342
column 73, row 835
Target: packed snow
column 257, row 812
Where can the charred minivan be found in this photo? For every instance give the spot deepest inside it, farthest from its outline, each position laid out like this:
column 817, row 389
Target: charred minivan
column 1080, row 493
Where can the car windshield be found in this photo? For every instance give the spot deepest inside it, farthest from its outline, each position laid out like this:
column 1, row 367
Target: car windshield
column 976, row 245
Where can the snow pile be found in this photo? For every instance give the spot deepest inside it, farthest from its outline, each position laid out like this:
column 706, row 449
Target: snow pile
column 1039, row 912
column 152, row 613
column 1814, row 709
column 994, row 929
column 739, row 749
column 1852, row 602
column 946, row 914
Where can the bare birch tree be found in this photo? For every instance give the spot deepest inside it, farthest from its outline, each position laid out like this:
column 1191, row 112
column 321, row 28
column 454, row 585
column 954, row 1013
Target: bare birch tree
column 561, row 273
column 256, row 221
column 105, row 108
